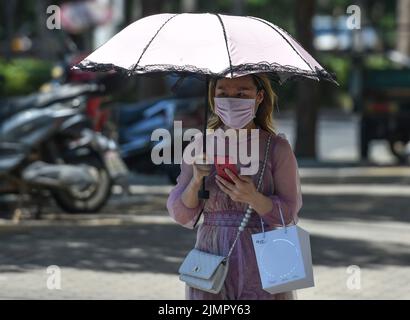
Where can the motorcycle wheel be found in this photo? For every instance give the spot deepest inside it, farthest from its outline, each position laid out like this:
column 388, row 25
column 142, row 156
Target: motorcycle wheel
column 93, row 198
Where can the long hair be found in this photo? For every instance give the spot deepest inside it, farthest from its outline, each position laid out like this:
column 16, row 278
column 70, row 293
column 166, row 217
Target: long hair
column 264, row 115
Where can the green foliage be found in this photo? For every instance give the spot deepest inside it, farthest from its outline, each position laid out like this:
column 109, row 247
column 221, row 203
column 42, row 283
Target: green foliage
column 23, row 76
column 339, row 65
column 378, row 61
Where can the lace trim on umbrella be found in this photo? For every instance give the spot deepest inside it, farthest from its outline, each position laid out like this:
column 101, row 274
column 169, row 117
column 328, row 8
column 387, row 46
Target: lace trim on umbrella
column 280, row 73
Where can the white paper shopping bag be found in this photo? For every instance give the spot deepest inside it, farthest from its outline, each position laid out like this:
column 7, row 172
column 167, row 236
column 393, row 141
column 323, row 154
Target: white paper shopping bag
column 284, row 259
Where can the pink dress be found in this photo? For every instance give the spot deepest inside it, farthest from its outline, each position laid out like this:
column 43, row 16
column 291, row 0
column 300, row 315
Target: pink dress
column 222, row 216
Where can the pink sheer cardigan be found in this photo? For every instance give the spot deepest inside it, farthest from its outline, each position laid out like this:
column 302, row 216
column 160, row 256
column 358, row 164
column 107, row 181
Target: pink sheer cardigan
column 281, row 183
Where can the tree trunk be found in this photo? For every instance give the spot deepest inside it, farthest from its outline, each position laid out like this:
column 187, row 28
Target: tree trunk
column 307, row 90
column 131, row 12
column 44, row 48
column 8, row 16
column 403, row 29
column 189, row 5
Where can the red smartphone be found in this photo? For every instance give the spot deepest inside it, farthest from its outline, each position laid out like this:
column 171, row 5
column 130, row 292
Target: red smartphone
column 221, row 165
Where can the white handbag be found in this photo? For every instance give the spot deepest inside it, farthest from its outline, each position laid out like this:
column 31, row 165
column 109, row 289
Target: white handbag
column 206, row 271
column 284, row 258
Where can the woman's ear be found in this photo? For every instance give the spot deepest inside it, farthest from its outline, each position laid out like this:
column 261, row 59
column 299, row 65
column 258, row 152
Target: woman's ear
column 259, row 96
column 259, row 99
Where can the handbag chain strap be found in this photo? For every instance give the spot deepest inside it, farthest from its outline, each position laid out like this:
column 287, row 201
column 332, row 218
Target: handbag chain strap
column 250, row 209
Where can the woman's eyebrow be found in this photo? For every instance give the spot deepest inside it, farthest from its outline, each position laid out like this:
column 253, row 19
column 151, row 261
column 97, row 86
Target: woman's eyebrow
column 240, row 88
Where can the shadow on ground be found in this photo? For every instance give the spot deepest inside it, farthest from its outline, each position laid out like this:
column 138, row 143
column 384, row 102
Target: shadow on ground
column 320, row 207
column 161, row 248
column 356, row 207
column 156, row 248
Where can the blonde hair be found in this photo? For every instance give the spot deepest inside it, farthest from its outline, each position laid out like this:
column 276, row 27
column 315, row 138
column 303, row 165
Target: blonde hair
column 264, row 115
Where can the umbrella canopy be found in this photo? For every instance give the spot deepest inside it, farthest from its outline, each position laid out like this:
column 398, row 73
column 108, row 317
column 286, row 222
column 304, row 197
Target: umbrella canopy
column 209, row 44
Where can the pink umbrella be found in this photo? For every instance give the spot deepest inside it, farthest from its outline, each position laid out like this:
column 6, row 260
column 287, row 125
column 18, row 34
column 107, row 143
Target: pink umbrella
column 208, row 45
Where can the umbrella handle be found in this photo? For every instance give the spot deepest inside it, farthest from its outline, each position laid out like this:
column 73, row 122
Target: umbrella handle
column 202, row 193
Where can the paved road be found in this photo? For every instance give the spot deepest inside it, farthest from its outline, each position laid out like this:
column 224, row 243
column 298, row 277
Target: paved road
column 356, row 217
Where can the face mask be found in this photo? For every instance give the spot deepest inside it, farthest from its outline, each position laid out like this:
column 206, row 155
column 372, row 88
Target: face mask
column 236, row 113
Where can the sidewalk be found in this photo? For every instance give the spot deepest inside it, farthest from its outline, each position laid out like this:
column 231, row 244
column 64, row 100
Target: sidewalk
column 120, row 266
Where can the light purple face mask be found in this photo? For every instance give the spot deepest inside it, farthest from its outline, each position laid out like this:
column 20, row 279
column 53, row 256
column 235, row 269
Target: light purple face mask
column 236, row 113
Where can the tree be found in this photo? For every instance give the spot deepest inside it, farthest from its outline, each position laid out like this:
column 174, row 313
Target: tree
column 307, row 90
column 403, row 30
column 8, row 18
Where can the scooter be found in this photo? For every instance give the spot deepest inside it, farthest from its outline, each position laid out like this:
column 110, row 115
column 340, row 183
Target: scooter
column 138, row 121
column 52, row 150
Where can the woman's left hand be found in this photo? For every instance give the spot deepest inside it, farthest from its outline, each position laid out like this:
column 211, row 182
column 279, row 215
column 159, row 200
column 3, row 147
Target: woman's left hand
column 242, row 190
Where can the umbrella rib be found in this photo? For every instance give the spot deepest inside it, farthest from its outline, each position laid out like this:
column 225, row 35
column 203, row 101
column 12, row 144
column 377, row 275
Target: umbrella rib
column 226, row 42
column 149, row 43
column 294, row 49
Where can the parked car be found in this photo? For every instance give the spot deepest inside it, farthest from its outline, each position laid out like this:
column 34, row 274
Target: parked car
column 385, row 108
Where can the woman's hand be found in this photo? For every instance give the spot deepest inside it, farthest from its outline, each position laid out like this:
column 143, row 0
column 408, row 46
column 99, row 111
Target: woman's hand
column 242, row 190
column 200, row 169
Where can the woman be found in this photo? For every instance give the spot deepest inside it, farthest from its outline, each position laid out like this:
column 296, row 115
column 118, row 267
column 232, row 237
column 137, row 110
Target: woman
column 224, row 209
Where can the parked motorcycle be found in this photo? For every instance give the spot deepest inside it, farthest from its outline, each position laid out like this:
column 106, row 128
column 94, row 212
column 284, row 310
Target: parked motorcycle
column 136, row 122
column 47, row 145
